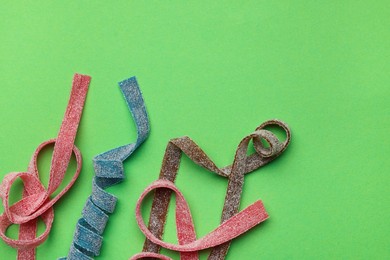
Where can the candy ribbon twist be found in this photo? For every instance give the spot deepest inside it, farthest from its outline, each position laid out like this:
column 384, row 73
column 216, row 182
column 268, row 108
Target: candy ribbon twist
column 188, row 244
column 37, row 201
column 241, row 165
column 109, row 170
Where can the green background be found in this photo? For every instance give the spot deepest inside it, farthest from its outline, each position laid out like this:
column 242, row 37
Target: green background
column 212, row 70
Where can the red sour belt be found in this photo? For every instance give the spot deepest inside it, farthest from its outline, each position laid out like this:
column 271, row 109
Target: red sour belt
column 188, row 244
column 36, row 201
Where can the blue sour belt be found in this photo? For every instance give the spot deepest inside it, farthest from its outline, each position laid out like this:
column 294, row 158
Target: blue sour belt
column 109, row 170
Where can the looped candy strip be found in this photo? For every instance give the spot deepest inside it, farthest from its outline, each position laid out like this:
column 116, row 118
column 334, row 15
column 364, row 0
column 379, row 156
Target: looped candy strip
column 233, row 223
column 36, row 199
column 233, row 227
column 109, row 170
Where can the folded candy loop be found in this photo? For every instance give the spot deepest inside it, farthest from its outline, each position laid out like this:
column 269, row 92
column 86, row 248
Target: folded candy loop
column 235, row 226
column 75, row 253
column 47, row 218
column 281, row 124
column 274, row 144
column 87, row 239
column 36, row 199
column 94, row 216
column 33, row 166
column 16, row 213
column 281, row 146
column 102, row 199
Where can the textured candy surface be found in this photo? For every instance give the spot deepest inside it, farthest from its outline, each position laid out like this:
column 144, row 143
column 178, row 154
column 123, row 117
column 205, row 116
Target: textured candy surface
column 241, row 165
column 109, row 170
column 36, row 201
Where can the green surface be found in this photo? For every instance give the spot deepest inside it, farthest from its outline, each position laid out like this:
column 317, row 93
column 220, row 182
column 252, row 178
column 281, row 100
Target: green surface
column 214, row 71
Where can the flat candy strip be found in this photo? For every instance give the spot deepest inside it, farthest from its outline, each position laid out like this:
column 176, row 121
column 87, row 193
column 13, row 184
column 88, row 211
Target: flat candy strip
column 109, row 170
column 242, row 165
column 235, row 226
column 236, row 178
column 36, row 200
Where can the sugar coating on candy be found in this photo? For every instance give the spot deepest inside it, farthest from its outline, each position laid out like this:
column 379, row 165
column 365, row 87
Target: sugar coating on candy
column 36, row 201
column 109, row 170
column 241, row 165
column 149, row 255
column 233, row 227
